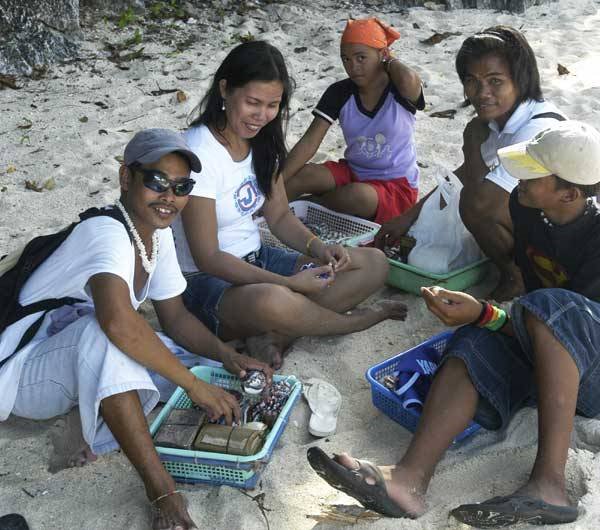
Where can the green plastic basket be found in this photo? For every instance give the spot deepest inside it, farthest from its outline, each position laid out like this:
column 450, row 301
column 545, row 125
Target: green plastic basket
column 411, row 279
column 218, row 468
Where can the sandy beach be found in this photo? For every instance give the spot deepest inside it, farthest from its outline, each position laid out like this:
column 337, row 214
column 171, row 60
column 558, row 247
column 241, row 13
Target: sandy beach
column 61, row 134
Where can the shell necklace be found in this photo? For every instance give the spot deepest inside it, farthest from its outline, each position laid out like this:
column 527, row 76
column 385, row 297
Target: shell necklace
column 148, row 264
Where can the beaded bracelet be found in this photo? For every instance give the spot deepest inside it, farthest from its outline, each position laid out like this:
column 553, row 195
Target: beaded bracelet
column 491, row 317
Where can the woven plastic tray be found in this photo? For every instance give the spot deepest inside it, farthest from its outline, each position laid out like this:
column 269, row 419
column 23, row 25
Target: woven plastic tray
column 389, row 403
column 218, row 468
column 353, row 229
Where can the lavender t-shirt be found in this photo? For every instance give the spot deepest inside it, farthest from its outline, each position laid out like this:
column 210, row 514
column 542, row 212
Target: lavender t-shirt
column 380, row 143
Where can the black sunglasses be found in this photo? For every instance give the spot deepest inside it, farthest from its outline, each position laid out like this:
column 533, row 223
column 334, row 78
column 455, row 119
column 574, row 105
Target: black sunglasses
column 159, row 182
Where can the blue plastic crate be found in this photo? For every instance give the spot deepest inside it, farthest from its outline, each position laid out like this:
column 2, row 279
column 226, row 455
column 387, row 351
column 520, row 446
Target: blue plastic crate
column 203, row 467
column 389, row 403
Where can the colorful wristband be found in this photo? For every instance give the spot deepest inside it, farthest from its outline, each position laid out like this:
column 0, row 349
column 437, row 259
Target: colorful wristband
column 491, row 317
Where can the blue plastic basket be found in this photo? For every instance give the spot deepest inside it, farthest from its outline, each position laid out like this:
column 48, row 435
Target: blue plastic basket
column 389, row 403
column 202, row 467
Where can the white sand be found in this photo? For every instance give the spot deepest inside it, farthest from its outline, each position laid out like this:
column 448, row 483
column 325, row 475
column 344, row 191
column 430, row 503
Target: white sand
column 81, row 161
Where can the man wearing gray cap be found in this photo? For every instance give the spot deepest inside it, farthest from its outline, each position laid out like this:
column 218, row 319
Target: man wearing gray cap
column 98, row 360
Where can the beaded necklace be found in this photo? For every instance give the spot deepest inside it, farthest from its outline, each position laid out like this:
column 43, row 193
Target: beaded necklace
column 148, row 264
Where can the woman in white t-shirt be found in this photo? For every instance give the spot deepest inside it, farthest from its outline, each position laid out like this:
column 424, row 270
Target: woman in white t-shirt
column 238, row 287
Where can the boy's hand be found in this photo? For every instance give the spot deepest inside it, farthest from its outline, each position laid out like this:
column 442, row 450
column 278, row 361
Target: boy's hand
column 451, row 307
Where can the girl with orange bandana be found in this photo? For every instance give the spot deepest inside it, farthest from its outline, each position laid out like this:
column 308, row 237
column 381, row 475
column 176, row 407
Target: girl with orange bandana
column 376, row 105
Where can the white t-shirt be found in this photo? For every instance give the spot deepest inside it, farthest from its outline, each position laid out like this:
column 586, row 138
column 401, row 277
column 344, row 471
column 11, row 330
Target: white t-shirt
column 233, row 187
column 97, row 245
column 519, row 128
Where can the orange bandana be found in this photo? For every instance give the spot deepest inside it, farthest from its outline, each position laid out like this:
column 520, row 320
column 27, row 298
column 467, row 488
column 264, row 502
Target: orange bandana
column 370, row 32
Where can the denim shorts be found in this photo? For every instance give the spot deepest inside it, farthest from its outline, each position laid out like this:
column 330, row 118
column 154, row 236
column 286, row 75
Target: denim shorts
column 203, row 293
column 501, row 367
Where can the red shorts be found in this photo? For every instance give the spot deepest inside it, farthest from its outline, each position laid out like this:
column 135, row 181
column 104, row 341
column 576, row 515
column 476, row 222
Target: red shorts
column 393, row 196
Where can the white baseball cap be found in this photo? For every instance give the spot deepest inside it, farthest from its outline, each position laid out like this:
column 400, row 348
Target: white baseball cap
column 570, row 150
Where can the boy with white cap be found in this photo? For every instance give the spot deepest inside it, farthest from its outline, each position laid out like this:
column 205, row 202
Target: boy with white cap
column 548, row 350
column 100, row 355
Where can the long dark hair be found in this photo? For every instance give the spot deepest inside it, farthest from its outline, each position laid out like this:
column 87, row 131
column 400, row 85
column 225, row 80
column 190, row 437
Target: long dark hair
column 511, row 45
column 252, row 61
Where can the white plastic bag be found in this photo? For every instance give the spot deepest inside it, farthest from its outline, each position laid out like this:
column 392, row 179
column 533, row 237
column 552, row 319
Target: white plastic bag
column 443, row 242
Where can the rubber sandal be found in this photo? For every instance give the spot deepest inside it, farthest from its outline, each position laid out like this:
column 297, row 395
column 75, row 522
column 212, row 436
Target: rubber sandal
column 352, row 482
column 324, row 401
column 500, row 512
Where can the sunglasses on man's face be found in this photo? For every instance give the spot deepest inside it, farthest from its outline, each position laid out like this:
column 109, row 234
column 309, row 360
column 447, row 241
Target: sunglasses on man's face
column 159, row 182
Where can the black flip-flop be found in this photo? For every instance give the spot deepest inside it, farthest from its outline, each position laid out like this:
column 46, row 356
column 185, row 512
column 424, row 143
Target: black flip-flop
column 512, row 509
column 352, row 482
column 13, row 521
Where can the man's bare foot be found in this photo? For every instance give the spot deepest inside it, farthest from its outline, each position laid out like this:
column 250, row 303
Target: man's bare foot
column 268, row 348
column 406, row 496
column 69, row 449
column 171, row 513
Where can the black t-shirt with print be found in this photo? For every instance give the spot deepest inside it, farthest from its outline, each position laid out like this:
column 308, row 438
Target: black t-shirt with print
column 565, row 256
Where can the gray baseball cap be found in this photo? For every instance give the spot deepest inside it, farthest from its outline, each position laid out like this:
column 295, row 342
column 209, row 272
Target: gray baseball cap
column 150, row 145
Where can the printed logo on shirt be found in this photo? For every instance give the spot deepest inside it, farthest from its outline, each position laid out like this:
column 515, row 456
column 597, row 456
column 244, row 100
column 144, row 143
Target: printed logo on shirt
column 550, row 273
column 246, row 197
column 376, row 147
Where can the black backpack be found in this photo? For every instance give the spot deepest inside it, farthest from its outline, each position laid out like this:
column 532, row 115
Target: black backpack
column 17, row 267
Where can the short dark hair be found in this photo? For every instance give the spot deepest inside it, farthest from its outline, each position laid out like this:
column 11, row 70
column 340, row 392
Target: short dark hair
column 591, row 190
column 252, row 61
column 511, row 45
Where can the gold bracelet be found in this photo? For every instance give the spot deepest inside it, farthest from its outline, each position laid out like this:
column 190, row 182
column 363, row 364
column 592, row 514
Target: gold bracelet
column 308, row 243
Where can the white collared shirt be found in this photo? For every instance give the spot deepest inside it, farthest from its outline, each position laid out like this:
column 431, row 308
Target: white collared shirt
column 519, row 128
